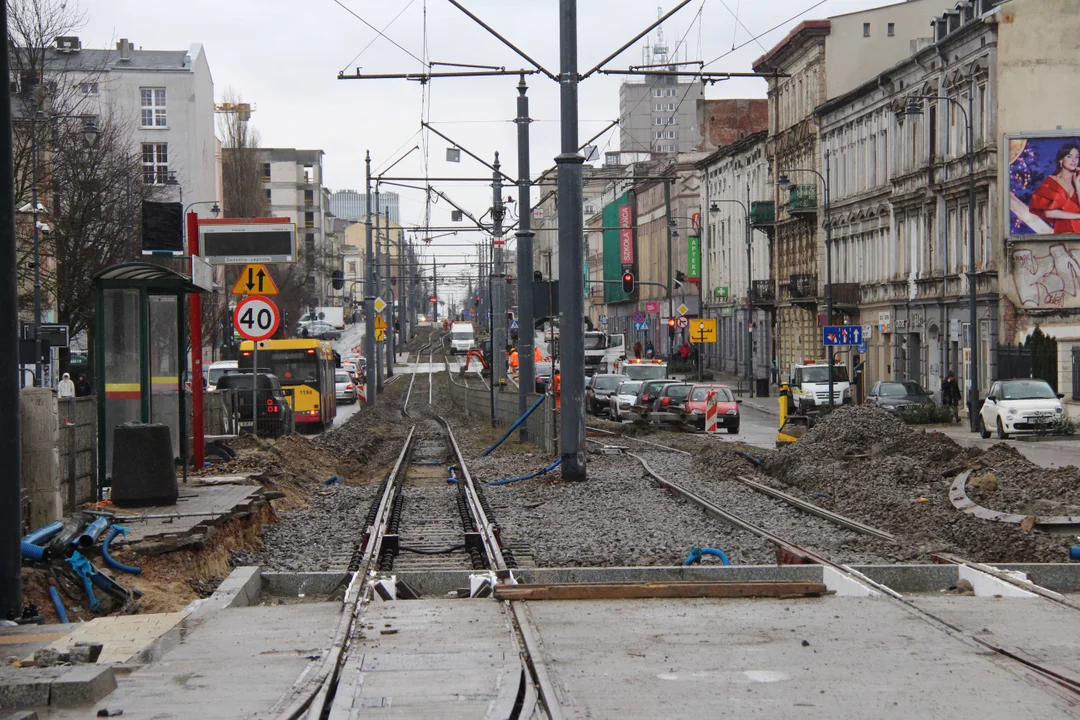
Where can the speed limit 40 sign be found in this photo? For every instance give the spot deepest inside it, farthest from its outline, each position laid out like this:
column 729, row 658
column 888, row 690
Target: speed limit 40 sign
column 256, row 318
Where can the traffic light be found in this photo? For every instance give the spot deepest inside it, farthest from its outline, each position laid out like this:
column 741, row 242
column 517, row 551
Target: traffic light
column 509, row 279
column 680, row 277
column 628, row 282
column 434, row 299
column 476, row 302
column 338, row 278
column 671, row 326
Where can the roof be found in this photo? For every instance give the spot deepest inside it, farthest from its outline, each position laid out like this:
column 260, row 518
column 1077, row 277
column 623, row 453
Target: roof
column 136, row 274
column 807, row 28
column 733, row 149
column 92, row 59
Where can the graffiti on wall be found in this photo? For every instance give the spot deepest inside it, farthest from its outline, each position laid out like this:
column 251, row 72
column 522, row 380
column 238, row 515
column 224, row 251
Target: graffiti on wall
column 1047, row 277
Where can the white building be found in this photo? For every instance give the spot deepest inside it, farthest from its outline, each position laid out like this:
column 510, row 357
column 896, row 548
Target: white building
column 352, row 205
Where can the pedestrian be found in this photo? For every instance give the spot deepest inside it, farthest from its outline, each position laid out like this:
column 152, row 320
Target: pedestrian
column 950, row 394
column 649, row 349
column 684, row 351
column 66, row 388
column 637, row 350
column 82, row 387
column 557, row 389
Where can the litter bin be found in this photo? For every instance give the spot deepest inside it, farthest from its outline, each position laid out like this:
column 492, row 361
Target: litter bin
column 761, row 387
column 144, row 472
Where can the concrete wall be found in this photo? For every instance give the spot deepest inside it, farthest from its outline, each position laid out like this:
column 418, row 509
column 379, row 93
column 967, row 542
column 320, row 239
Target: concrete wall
column 41, row 455
column 78, row 451
column 543, row 424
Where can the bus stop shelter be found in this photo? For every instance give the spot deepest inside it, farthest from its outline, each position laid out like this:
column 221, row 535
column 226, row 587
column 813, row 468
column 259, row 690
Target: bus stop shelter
column 140, row 352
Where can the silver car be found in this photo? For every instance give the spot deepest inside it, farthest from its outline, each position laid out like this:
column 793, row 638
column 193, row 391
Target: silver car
column 623, row 399
column 344, row 387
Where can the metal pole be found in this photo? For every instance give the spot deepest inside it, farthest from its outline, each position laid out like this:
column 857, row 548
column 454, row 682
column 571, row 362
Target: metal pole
column 828, row 274
column 972, row 299
column 434, row 289
column 254, row 389
column 498, row 274
column 195, row 309
column 749, row 301
column 571, row 254
column 10, row 372
column 389, row 364
column 524, row 234
column 369, row 294
column 379, row 369
column 38, row 379
column 670, row 267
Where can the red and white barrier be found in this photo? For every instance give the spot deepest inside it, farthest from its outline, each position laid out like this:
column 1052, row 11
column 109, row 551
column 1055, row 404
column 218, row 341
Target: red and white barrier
column 361, row 391
column 710, row 413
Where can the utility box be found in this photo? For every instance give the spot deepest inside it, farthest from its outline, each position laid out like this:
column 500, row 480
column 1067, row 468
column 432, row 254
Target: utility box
column 143, row 470
column 761, row 387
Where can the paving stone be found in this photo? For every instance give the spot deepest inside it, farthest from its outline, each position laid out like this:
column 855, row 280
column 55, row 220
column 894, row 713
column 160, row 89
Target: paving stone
column 82, row 685
column 26, row 687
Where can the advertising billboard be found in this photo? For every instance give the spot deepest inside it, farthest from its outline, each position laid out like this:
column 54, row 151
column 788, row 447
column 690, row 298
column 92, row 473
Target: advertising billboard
column 1043, row 185
column 626, row 234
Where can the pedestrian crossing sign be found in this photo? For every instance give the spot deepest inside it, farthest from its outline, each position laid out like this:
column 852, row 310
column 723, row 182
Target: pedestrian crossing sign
column 513, row 324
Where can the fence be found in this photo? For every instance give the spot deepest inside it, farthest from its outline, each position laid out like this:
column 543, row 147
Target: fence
column 543, row 424
column 1076, row 372
column 78, row 451
column 1015, row 361
column 230, row 413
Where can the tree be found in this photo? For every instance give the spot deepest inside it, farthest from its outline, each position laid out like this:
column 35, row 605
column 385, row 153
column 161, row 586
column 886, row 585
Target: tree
column 241, row 169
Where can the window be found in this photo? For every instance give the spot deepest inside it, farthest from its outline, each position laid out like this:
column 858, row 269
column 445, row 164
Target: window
column 866, row 29
column 892, row 29
column 88, row 88
column 269, row 200
column 155, row 163
column 672, row 135
column 309, row 197
column 670, row 92
column 266, row 172
column 658, row 92
column 309, row 174
column 658, row 135
column 352, row 267
column 309, row 219
column 153, row 107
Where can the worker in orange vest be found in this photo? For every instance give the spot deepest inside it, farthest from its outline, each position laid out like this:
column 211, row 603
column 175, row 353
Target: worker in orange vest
column 514, row 362
column 557, row 384
column 537, row 355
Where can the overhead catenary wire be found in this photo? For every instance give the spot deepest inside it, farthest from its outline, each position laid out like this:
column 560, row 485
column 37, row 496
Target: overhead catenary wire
column 381, row 33
column 349, row 10
column 763, row 34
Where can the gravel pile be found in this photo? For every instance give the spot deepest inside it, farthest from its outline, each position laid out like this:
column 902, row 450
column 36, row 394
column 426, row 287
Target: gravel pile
column 1005, row 480
column 308, row 539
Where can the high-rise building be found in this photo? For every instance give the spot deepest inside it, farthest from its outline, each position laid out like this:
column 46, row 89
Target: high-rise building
column 352, row 205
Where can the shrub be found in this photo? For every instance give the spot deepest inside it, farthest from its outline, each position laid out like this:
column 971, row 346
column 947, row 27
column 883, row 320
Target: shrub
column 925, row 414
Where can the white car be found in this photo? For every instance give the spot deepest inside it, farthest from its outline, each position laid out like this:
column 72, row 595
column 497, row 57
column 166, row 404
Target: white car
column 623, row 399
column 1019, row 406
column 344, row 387
column 215, row 371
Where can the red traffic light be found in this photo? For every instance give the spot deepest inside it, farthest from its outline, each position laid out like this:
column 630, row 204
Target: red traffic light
column 671, row 322
column 434, row 300
column 628, row 282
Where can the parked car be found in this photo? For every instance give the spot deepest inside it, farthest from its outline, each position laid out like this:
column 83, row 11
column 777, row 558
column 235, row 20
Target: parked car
column 319, row 330
column 892, row 396
column 650, row 389
column 667, row 407
column 599, row 391
column 345, row 387
column 1019, row 406
column 274, row 415
column 623, row 398
column 727, row 408
column 543, row 372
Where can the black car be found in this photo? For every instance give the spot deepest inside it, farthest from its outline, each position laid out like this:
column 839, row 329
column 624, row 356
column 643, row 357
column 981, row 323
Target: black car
column 274, row 415
column 599, row 392
column 891, row 396
column 667, row 407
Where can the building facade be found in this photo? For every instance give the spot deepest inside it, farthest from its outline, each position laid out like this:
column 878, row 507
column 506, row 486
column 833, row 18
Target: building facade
column 659, row 115
column 352, row 205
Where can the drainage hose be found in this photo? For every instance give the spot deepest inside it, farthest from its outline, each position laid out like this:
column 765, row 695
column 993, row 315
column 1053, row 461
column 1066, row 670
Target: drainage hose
column 514, row 427
column 696, row 554
column 451, row 478
column 543, row 471
column 109, row 560
column 58, row 604
column 30, row 551
column 85, row 571
column 93, row 531
column 39, row 536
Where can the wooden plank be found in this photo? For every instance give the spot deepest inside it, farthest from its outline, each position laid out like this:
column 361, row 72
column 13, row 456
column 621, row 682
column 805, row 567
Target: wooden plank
column 631, row 590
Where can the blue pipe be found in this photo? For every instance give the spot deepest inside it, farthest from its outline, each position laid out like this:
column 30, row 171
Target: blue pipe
column 544, row 471
column 58, row 604
column 85, row 571
column 451, row 479
column 748, row 456
column 696, row 553
column 93, row 532
column 1074, row 552
column 114, row 564
column 514, row 427
column 30, row 551
column 39, row 536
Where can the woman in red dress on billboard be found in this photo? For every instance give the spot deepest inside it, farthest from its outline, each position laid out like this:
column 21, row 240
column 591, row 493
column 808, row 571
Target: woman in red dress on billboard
column 1057, row 199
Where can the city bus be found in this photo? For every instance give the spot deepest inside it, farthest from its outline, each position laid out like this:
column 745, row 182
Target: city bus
column 306, row 371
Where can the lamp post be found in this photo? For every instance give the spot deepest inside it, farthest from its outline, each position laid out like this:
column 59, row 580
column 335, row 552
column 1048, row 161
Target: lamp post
column 783, row 182
column 713, row 210
column 913, row 109
column 90, row 134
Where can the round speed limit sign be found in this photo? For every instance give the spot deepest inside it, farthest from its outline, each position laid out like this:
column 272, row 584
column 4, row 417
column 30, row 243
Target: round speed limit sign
column 256, row 318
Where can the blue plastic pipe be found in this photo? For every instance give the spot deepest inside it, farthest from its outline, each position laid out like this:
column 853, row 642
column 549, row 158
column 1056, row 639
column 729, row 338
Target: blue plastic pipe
column 514, row 427
column 1074, row 552
column 39, row 536
column 696, row 554
column 58, row 604
column 543, row 471
column 451, row 478
column 30, row 551
column 85, row 571
column 93, row 531
column 109, row 560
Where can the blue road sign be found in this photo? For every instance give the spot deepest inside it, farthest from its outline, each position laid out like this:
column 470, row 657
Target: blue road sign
column 513, row 325
column 638, row 316
column 643, row 325
column 861, row 347
column 603, row 319
column 841, row 335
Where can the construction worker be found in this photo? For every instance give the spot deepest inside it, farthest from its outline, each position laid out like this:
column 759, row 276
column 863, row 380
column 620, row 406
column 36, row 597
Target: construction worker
column 514, row 362
column 557, row 389
column 537, row 355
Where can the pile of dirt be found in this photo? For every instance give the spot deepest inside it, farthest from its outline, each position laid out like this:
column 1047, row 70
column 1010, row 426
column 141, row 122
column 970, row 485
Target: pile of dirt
column 1003, row 479
column 864, row 463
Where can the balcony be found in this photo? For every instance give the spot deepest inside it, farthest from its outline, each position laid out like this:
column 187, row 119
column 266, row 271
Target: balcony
column 803, row 199
column 763, row 292
column 803, row 289
column 845, row 295
column 762, row 213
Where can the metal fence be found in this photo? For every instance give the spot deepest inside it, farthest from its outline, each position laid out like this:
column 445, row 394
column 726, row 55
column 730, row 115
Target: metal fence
column 1076, row 372
column 78, row 451
column 543, row 424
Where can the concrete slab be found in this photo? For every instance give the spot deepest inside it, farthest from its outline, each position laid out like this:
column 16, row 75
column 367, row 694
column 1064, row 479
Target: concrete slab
column 24, row 640
column 196, row 510
column 26, row 687
column 431, row 658
column 862, row 657
column 82, row 685
column 123, row 637
column 238, row 663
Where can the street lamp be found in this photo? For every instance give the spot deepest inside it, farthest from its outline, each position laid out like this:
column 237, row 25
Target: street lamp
column 783, row 182
column 90, row 135
column 713, row 210
column 914, row 109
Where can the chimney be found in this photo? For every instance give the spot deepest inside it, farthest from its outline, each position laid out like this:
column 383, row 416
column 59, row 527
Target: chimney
column 125, row 48
column 68, row 43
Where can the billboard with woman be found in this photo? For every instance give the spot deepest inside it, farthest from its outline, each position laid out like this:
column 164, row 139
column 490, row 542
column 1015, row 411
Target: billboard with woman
column 1044, row 185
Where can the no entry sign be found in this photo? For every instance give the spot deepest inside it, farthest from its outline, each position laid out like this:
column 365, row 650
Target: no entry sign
column 256, row 318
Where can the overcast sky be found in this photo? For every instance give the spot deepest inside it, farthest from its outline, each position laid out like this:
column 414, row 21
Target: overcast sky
column 284, row 56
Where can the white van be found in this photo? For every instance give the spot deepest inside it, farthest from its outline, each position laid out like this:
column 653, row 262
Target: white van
column 461, row 338
column 216, row 370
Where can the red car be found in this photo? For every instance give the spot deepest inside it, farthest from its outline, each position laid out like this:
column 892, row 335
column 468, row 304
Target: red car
column 727, row 408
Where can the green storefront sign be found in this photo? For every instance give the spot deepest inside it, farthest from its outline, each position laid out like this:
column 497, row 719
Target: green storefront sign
column 721, row 291
column 693, row 248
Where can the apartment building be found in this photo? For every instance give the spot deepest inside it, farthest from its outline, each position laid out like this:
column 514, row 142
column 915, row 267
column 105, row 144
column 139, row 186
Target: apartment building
column 352, row 205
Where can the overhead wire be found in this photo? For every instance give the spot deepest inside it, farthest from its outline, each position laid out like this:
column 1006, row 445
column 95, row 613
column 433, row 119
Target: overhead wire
column 739, row 23
column 763, row 34
column 349, row 10
column 381, row 33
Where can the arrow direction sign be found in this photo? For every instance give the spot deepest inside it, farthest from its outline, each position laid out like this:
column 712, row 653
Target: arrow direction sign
column 842, row 335
column 255, row 280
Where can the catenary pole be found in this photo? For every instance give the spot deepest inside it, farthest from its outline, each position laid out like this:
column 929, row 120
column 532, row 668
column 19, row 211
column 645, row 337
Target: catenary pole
column 668, row 220
column 389, row 362
column 370, row 349
column 379, row 369
column 571, row 254
column 524, row 234
column 498, row 280
column 10, row 438
column 749, row 299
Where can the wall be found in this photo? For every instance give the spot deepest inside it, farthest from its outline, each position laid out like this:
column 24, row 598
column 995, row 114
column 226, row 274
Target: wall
column 78, row 451
column 726, row 121
column 40, row 455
